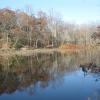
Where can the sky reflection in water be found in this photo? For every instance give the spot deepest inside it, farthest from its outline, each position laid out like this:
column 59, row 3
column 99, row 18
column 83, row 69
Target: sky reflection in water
column 49, row 77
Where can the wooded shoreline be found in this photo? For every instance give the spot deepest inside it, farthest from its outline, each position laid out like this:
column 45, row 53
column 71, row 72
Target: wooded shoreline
column 29, row 52
column 19, row 29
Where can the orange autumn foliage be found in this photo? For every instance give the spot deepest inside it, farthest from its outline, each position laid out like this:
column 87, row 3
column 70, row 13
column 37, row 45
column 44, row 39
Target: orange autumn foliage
column 71, row 46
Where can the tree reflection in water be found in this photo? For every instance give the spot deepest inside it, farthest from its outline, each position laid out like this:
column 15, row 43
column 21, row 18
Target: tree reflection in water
column 23, row 73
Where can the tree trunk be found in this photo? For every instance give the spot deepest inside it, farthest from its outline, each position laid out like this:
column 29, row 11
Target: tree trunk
column 36, row 44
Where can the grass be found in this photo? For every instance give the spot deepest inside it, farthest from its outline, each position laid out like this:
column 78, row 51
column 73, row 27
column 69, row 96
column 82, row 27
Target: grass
column 11, row 52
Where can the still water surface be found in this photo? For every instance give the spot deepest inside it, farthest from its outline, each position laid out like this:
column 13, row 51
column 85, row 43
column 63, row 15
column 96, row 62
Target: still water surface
column 54, row 76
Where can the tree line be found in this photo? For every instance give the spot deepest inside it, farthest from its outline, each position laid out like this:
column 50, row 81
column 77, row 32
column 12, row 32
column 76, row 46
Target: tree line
column 25, row 29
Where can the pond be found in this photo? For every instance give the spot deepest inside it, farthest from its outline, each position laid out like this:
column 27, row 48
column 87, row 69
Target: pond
column 52, row 76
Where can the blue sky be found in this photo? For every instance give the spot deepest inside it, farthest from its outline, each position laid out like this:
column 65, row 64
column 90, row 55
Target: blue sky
column 79, row 11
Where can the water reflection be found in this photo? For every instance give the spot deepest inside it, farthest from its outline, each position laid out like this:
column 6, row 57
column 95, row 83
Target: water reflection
column 20, row 72
column 29, row 73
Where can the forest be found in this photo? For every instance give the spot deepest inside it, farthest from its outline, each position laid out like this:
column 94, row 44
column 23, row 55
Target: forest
column 25, row 29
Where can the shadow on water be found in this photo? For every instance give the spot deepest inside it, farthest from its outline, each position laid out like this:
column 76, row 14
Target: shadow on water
column 24, row 73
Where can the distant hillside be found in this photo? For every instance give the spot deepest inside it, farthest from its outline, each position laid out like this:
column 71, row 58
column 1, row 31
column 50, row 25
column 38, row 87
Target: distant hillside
column 19, row 29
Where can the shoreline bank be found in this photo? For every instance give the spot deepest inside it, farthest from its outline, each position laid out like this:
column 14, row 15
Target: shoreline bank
column 11, row 52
